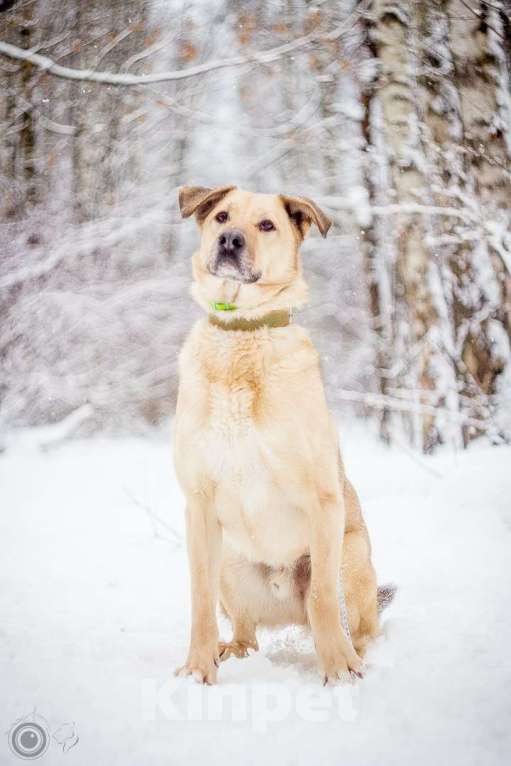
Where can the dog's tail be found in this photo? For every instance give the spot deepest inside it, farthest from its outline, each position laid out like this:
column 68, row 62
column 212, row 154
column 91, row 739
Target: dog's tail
column 385, row 596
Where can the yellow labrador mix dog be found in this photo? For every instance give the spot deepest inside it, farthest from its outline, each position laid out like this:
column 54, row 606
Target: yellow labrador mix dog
column 272, row 520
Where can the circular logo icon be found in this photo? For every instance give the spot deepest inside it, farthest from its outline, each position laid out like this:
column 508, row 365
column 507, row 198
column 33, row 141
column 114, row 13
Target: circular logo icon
column 29, row 740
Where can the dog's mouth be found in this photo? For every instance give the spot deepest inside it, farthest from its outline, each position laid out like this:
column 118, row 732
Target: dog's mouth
column 235, row 267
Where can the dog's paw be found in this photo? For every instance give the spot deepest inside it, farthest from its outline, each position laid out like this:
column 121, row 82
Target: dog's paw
column 236, row 649
column 202, row 666
column 339, row 669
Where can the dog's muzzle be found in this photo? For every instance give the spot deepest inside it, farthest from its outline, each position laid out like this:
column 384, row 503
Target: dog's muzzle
column 231, row 258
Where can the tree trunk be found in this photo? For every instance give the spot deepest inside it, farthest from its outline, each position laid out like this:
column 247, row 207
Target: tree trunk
column 420, row 364
column 18, row 151
column 479, row 70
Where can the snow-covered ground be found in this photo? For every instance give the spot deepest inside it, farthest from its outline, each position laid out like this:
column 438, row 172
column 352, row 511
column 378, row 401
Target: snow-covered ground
column 95, row 615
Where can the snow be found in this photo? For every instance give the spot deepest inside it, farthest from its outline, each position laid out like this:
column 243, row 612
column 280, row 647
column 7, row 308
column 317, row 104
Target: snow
column 95, row 617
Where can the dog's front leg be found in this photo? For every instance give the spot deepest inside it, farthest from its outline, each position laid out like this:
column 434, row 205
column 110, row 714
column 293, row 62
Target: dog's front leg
column 204, row 536
column 335, row 652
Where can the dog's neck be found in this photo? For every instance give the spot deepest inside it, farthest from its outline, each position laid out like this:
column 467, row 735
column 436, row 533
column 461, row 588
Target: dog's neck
column 276, row 318
column 228, row 299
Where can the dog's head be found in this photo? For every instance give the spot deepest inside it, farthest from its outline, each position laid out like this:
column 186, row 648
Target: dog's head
column 249, row 246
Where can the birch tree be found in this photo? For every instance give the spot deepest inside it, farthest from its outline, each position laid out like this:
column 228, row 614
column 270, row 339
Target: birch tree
column 420, row 325
column 480, row 73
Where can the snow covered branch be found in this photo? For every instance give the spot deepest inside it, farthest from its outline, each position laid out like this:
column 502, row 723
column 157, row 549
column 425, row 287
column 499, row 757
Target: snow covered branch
column 101, row 233
column 126, row 79
column 404, row 208
column 384, row 402
column 50, row 435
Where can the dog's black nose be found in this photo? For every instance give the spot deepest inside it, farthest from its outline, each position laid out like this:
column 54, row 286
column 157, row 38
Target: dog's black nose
column 231, row 242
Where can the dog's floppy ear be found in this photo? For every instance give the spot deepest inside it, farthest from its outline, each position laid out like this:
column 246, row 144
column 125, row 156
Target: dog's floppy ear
column 200, row 200
column 303, row 212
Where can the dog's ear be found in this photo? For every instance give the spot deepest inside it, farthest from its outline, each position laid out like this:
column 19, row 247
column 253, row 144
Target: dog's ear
column 199, row 200
column 303, row 212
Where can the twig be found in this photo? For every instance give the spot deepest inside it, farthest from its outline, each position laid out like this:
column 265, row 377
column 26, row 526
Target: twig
column 111, row 45
column 480, row 17
column 155, row 520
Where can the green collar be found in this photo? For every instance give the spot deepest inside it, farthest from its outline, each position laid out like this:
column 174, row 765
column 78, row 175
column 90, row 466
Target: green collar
column 277, row 318
column 223, row 306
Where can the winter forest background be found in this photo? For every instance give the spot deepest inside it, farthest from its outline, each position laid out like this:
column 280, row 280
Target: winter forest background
column 394, row 116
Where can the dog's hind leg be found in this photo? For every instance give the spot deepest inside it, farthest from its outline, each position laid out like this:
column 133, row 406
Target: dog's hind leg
column 234, row 603
column 359, row 577
column 244, row 638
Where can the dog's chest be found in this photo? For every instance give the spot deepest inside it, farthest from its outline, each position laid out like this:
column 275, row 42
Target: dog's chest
column 231, row 412
column 233, row 443
column 254, row 506
column 236, row 384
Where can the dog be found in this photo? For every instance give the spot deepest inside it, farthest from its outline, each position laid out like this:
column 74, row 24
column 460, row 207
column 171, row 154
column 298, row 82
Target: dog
column 273, row 524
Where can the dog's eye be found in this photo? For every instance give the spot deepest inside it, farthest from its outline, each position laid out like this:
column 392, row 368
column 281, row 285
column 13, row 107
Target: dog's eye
column 266, row 225
column 222, row 217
